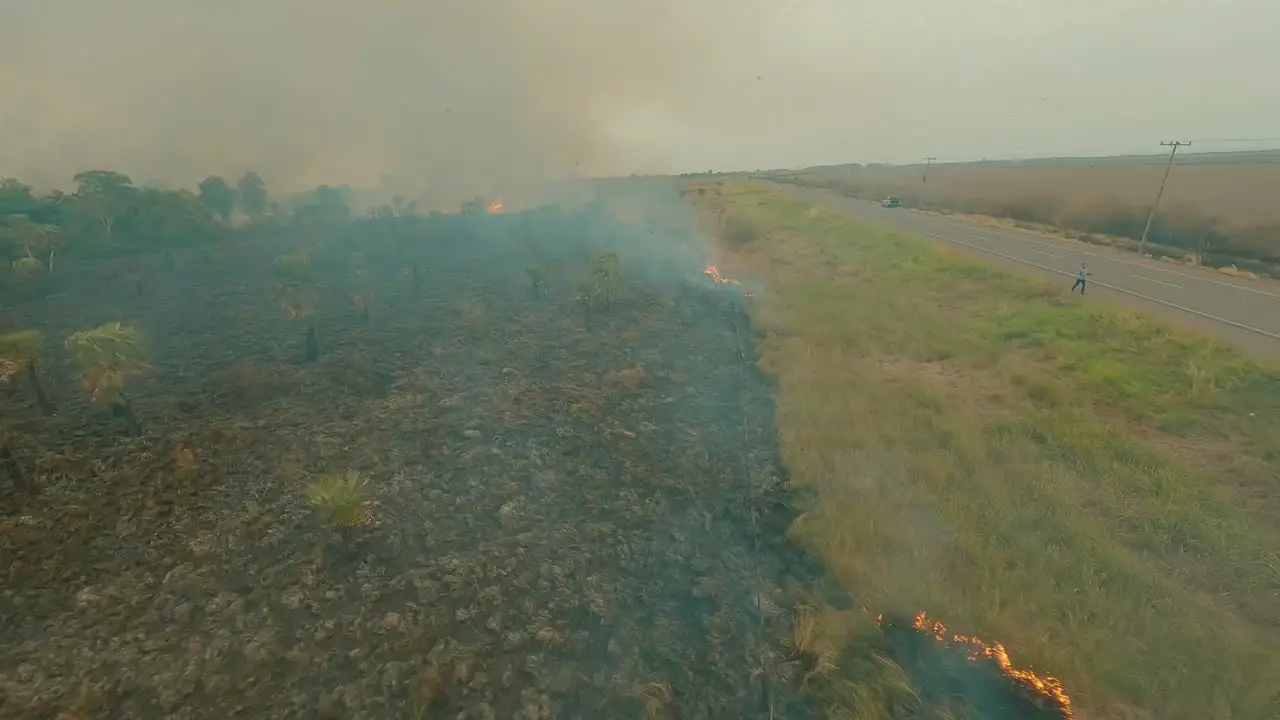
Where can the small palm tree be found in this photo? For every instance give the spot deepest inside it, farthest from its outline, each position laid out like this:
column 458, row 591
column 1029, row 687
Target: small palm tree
column 20, row 351
column 600, row 283
column 604, row 273
column 294, row 283
column 295, row 290
column 362, row 293
column 341, row 500
column 109, row 356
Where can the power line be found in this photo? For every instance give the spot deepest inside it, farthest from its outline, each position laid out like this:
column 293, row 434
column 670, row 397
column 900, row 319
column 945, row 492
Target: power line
column 1211, row 157
column 1204, row 155
column 1173, row 145
column 1234, row 158
column 1188, row 158
column 1101, row 154
column 1235, row 140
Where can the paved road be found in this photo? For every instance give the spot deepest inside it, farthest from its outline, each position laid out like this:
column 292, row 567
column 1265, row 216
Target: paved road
column 1245, row 313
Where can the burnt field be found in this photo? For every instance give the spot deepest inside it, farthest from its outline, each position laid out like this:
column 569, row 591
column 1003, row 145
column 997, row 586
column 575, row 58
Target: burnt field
column 572, row 504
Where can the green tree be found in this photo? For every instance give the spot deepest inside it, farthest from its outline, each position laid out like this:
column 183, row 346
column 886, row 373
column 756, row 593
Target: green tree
column 218, row 196
column 103, row 195
column 36, row 241
column 16, row 198
column 331, row 203
column 102, row 182
column 253, row 194
column 162, row 217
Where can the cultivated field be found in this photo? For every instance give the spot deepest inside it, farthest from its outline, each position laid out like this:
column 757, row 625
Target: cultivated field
column 1222, row 205
column 1078, row 482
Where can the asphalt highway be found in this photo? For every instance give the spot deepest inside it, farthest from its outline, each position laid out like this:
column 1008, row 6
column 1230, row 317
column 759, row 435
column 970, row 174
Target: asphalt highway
column 1242, row 312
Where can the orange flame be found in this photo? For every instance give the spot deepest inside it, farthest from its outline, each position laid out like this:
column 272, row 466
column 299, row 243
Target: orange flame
column 1047, row 687
column 495, row 207
column 719, row 279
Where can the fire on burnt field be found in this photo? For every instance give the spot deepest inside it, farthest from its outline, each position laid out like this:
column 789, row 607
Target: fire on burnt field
column 572, row 505
column 545, row 463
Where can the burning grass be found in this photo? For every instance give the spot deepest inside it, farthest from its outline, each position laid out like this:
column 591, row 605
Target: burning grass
column 1084, row 485
column 719, row 279
column 981, row 672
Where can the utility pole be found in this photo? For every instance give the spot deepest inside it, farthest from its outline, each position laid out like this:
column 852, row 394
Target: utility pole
column 920, row 195
column 1174, row 145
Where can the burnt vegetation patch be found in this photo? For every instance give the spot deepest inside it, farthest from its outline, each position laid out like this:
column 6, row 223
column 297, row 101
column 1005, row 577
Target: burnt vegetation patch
column 486, row 464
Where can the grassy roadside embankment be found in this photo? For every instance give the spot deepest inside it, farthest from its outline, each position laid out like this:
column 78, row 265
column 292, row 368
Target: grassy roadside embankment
column 1083, row 484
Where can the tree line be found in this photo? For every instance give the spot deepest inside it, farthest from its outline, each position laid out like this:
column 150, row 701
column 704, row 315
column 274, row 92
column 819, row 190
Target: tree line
column 107, row 211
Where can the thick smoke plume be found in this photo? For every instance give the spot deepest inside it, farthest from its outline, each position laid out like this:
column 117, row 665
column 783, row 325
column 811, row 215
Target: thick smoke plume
column 466, row 94
column 456, row 98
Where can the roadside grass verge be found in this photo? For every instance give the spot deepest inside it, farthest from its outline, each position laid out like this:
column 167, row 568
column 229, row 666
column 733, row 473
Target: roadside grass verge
column 1083, row 484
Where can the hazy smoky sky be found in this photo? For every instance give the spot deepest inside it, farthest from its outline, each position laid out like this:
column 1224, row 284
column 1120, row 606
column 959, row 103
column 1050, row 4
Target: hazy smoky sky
column 474, row 95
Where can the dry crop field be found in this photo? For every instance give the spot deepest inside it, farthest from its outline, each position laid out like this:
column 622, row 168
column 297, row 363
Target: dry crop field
column 1226, row 203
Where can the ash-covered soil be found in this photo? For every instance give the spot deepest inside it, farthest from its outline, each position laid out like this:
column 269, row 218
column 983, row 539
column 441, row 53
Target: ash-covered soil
column 578, row 514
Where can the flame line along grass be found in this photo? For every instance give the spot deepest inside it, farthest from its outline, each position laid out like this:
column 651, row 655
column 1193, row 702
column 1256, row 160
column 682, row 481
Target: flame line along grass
column 719, row 279
column 1089, row 485
column 1046, row 687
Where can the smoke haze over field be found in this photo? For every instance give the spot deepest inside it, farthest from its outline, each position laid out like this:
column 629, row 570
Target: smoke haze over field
column 486, row 94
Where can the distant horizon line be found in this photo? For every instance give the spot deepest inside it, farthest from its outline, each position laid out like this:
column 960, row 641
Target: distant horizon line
column 1256, row 156
column 1275, row 152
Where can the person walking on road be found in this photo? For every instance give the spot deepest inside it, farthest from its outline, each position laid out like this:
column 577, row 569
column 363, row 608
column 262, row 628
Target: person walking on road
column 1082, row 277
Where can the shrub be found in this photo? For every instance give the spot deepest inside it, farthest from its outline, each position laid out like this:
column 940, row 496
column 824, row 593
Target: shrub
column 341, row 500
column 27, row 266
column 20, row 351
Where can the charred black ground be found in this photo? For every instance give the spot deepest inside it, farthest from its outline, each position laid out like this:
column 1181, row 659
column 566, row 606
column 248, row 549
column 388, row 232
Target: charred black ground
column 579, row 502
